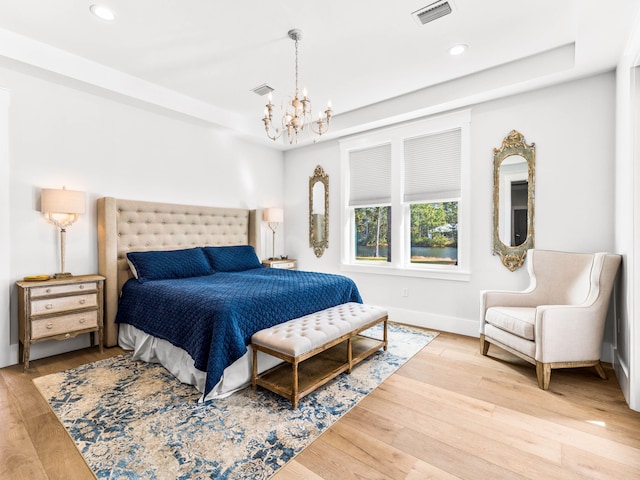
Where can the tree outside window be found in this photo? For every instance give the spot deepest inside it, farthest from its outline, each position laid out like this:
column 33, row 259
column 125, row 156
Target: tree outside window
column 373, row 233
column 434, row 233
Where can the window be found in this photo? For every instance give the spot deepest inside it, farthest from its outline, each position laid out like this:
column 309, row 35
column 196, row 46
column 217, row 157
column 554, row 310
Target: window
column 370, row 202
column 432, row 165
column 406, row 191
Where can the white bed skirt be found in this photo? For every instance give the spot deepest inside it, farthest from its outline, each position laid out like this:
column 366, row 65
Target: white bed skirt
column 155, row 350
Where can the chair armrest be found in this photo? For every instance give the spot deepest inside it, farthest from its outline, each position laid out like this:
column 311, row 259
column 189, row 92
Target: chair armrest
column 568, row 333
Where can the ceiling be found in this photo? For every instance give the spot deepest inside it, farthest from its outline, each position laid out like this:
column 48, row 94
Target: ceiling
column 202, row 57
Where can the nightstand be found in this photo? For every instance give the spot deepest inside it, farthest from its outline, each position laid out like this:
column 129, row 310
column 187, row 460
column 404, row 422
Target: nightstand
column 287, row 264
column 59, row 309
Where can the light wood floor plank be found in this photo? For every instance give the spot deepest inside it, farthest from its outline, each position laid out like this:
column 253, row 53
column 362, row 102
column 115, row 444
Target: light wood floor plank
column 391, row 462
column 332, row 463
column 510, row 392
column 509, row 452
column 17, row 452
column 435, row 405
column 450, row 459
column 449, row 413
column 426, row 471
column 296, row 471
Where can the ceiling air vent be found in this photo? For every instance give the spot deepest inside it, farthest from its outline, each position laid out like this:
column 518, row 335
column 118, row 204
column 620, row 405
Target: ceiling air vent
column 432, row 12
column 262, row 89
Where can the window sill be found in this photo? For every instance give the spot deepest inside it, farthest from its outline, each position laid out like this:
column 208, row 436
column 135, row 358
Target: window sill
column 438, row 274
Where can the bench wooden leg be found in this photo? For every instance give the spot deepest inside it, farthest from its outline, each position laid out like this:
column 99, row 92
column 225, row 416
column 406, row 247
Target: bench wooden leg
column 386, row 342
column 254, row 371
column 294, row 385
column 349, row 355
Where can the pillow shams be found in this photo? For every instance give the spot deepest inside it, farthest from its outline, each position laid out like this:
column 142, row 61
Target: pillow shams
column 167, row 264
column 235, row 258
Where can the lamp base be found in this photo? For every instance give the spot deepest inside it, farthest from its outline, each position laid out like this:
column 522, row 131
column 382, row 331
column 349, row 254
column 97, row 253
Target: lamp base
column 63, row 275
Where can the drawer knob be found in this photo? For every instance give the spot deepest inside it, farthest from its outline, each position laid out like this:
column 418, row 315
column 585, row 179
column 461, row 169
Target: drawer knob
column 48, row 290
column 49, row 306
column 82, row 301
column 67, row 335
column 82, row 320
column 49, row 326
column 81, row 287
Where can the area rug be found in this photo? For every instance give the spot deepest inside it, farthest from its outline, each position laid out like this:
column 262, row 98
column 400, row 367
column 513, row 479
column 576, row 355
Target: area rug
column 134, row 420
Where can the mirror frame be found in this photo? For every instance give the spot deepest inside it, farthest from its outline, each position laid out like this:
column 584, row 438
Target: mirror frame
column 319, row 175
column 513, row 144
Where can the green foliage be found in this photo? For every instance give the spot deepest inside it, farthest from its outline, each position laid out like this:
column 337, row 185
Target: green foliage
column 432, row 225
column 372, row 224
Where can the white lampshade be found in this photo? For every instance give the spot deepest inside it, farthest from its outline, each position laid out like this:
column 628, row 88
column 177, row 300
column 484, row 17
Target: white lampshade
column 62, row 201
column 273, row 215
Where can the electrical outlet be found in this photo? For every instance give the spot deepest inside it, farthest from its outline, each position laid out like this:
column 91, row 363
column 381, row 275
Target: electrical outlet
column 405, row 292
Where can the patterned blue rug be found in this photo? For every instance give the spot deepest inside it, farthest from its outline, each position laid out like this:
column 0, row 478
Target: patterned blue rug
column 133, row 420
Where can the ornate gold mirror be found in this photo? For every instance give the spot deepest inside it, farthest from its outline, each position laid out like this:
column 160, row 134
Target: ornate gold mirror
column 513, row 199
column 319, row 211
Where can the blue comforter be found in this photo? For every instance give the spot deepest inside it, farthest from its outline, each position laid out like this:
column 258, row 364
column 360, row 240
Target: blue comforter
column 213, row 317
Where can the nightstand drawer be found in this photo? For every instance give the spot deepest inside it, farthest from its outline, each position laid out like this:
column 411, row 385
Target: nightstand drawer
column 288, row 265
column 73, row 322
column 61, row 304
column 62, row 289
column 283, row 264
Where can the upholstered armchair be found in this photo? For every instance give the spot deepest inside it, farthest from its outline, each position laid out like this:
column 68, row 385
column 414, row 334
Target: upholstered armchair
column 559, row 320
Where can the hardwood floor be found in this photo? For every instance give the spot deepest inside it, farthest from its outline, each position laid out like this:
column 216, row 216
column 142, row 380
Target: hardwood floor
column 449, row 413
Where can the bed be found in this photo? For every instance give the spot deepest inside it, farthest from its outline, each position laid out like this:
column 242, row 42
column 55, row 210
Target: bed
column 158, row 317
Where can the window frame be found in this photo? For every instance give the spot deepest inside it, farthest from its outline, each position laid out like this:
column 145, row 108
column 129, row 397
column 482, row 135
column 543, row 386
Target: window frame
column 400, row 264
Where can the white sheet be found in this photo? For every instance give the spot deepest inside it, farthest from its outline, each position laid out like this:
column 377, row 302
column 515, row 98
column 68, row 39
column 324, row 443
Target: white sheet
column 155, row 350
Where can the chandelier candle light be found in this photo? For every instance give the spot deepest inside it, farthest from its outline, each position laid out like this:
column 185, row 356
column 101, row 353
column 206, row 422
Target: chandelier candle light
column 273, row 217
column 294, row 122
column 62, row 208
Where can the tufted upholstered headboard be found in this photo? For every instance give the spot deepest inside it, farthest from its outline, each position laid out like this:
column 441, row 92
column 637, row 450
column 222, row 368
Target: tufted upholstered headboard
column 132, row 225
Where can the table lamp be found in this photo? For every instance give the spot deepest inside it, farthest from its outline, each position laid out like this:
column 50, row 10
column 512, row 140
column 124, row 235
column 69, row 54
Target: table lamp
column 62, row 207
column 274, row 217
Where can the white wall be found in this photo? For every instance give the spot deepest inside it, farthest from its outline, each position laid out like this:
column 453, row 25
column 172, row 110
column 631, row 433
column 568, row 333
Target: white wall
column 5, row 245
column 61, row 134
column 573, row 128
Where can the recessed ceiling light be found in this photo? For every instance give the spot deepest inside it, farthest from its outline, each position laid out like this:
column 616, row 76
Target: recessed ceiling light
column 103, row 12
column 458, row 49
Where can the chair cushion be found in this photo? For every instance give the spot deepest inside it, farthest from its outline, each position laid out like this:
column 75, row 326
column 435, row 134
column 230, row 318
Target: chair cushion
column 515, row 320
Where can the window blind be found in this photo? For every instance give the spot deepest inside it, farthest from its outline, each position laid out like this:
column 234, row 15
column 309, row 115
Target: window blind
column 370, row 176
column 432, row 167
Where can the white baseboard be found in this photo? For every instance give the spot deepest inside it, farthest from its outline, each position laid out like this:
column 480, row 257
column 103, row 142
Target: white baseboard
column 608, row 353
column 443, row 323
column 622, row 374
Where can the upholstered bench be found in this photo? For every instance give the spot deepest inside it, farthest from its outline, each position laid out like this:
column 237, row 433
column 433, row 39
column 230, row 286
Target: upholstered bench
column 329, row 340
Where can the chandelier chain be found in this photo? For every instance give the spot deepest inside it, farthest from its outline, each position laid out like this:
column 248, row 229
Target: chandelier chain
column 297, row 66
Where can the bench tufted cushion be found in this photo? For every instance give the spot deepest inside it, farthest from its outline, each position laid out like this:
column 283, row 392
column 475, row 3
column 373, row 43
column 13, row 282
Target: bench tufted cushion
column 301, row 335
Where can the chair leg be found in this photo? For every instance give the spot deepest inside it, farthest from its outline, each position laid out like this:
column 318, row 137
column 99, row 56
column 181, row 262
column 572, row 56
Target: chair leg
column 484, row 345
column 600, row 371
column 543, row 372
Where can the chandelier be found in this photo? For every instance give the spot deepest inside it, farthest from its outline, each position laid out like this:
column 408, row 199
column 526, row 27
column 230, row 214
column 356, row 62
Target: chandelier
column 295, row 120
